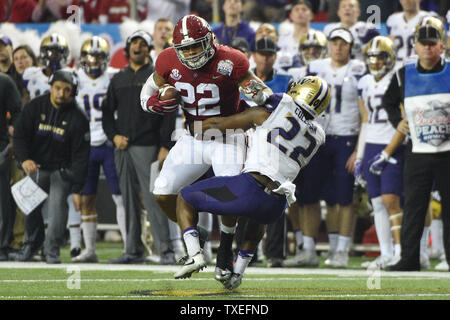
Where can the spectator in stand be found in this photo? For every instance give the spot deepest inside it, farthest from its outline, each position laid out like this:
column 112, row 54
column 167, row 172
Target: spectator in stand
column 291, row 31
column 173, row 10
column 6, row 60
column 204, row 9
column 17, row 11
column 265, row 10
column 6, row 50
column 162, row 34
column 23, row 58
column 362, row 32
column 89, row 10
column 113, row 11
column 50, row 10
column 234, row 26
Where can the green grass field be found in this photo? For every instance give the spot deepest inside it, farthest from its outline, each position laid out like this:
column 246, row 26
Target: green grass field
column 39, row 281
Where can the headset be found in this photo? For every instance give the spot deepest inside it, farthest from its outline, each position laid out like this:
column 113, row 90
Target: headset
column 351, row 37
column 138, row 34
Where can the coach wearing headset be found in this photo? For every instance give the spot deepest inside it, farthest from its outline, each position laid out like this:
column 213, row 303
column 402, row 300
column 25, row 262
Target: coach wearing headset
column 139, row 138
column 52, row 143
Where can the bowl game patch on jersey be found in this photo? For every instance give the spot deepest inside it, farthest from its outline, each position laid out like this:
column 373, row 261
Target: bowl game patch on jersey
column 225, row 67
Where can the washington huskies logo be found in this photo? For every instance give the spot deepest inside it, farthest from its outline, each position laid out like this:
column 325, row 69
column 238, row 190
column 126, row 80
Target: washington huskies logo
column 306, row 80
column 433, row 123
column 175, row 74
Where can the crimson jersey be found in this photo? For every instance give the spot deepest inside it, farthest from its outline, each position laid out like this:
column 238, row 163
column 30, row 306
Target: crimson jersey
column 213, row 89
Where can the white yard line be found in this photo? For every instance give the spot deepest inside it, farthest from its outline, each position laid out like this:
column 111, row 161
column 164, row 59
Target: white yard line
column 239, row 296
column 250, row 270
column 208, row 279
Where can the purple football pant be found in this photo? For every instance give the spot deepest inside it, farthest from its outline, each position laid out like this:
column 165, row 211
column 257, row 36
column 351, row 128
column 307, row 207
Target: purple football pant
column 238, row 195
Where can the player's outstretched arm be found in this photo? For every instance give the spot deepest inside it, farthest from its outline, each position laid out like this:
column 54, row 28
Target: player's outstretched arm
column 254, row 88
column 244, row 120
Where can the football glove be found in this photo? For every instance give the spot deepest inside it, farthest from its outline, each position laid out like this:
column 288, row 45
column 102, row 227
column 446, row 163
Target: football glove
column 359, row 180
column 253, row 90
column 161, row 107
column 379, row 161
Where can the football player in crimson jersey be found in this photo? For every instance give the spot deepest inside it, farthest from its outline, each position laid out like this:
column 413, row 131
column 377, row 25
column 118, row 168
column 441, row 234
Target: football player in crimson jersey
column 209, row 78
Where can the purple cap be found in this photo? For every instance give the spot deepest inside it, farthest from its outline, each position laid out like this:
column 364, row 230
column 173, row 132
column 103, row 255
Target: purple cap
column 5, row 39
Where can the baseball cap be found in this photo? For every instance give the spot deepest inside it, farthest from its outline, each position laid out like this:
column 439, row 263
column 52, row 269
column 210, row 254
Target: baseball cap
column 266, row 44
column 430, row 29
column 342, row 33
column 296, row 2
column 428, row 33
column 240, row 44
column 6, row 40
column 141, row 34
column 65, row 75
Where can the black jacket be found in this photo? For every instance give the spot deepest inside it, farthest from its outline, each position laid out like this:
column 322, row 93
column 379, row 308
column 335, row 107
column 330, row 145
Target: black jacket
column 9, row 101
column 122, row 112
column 54, row 138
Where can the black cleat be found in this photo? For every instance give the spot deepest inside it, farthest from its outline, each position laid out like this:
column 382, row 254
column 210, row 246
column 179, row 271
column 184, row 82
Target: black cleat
column 225, row 258
column 402, row 266
column 75, row 252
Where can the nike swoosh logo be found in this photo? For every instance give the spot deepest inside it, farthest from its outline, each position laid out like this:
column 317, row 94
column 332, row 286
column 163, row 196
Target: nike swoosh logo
column 216, row 77
column 189, row 263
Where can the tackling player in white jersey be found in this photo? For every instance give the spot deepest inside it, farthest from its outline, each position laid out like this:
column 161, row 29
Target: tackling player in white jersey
column 401, row 26
column 384, row 188
column 284, row 141
column 94, row 81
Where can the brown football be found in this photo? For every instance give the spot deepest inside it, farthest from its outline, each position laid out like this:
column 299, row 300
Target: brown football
column 169, row 92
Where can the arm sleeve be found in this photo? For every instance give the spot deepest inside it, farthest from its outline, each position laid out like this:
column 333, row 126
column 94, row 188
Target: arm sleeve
column 393, row 97
column 108, row 108
column 80, row 146
column 166, row 129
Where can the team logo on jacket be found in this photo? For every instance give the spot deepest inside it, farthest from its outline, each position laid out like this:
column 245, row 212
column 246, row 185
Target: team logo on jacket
column 175, row 74
column 433, row 123
column 225, row 67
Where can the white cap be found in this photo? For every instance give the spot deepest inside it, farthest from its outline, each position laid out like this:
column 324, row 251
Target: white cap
column 342, row 33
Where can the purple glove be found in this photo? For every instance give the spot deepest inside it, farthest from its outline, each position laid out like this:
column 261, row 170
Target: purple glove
column 380, row 161
column 359, row 180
